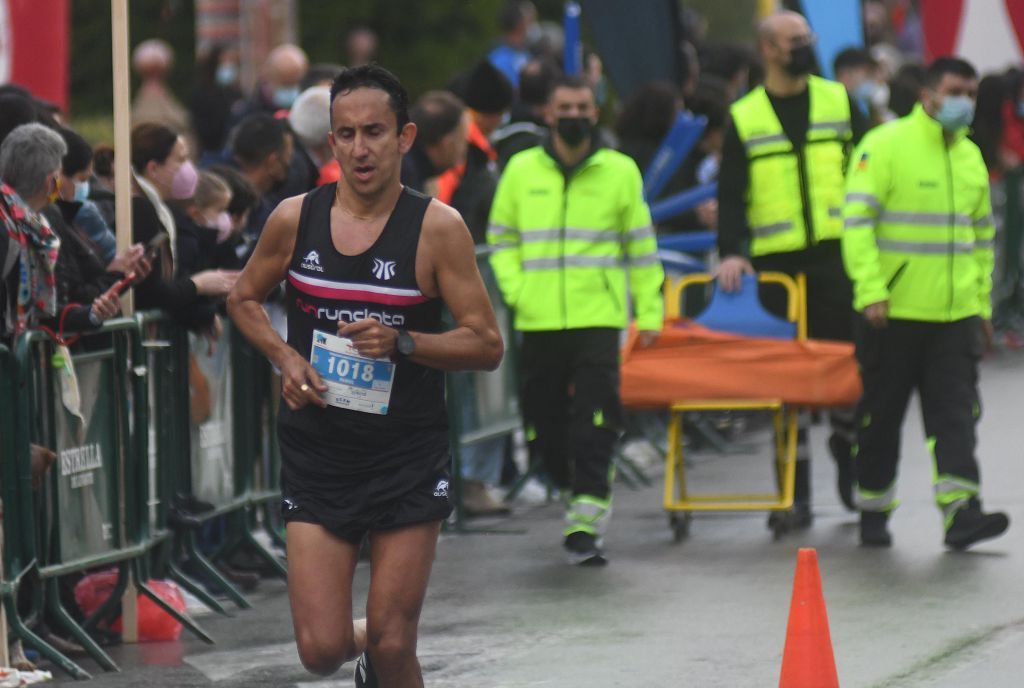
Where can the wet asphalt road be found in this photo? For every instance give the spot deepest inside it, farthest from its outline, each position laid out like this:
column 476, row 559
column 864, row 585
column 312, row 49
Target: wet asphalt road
column 504, row 610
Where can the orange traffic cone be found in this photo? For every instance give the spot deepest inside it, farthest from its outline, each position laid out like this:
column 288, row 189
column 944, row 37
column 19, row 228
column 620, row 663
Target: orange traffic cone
column 807, row 661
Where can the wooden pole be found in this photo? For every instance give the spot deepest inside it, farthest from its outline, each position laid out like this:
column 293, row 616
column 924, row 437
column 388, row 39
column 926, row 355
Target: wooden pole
column 123, row 214
column 122, row 134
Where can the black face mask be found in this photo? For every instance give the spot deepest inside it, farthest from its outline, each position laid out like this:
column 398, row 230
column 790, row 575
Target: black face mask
column 574, row 130
column 801, row 60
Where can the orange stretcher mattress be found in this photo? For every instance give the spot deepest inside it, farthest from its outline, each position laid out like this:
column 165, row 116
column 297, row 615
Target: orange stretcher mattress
column 692, row 362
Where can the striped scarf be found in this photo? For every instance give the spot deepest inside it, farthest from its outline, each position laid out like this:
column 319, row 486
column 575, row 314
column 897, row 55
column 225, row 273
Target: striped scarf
column 37, row 259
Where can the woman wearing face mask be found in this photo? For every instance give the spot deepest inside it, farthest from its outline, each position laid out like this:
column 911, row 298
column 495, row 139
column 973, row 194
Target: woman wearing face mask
column 30, row 294
column 162, row 172
column 204, row 226
column 85, row 267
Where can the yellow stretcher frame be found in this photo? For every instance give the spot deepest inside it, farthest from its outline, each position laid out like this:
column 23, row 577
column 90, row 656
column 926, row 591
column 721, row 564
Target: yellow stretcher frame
column 677, row 499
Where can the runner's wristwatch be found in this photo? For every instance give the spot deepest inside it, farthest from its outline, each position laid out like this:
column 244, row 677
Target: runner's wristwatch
column 405, row 344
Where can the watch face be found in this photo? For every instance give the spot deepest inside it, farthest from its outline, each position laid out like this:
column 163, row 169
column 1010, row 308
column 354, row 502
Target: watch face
column 405, row 343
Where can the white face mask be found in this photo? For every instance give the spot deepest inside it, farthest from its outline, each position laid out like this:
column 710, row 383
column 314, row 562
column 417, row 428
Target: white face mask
column 82, row 191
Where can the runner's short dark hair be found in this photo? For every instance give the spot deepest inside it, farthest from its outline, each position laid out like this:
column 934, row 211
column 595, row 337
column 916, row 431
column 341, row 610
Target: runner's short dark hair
column 374, row 76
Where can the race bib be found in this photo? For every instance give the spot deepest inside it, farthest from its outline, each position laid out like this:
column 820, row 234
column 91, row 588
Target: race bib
column 353, row 382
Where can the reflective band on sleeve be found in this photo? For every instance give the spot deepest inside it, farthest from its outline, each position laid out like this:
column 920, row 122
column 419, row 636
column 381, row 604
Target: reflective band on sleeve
column 869, row 199
column 924, row 247
column 644, row 261
column 985, row 243
column 910, row 218
column 770, row 230
column 640, row 233
column 858, row 222
column 500, row 245
column 987, row 221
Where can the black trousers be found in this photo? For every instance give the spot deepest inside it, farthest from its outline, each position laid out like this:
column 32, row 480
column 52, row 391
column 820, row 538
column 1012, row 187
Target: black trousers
column 940, row 361
column 571, row 405
column 830, row 315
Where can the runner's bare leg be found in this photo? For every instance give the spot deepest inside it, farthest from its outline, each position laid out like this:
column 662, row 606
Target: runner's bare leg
column 400, row 563
column 320, row 571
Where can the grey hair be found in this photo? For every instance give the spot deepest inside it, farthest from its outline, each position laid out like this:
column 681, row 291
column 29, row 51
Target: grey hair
column 28, row 156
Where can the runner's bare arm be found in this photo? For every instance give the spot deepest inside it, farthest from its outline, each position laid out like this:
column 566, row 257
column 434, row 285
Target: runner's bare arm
column 267, row 267
column 475, row 342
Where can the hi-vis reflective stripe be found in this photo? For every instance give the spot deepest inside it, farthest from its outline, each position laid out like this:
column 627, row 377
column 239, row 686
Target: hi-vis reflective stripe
column 494, row 228
column 947, row 484
column 869, row 500
column 644, row 260
column 987, row 221
column 770, row 230
column 985, row 243
column 866, row 198
column 588, row 514
column 858, row 222
column 640, row 233
column 764, row 140
column 841, row 126
column 949, row 510
column 910, row 218
column 571, row 262
column 500, row 236
column 924, row 247
column 529, row 236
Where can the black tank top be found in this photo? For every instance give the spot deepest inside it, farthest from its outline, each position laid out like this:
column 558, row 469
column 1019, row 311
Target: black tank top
column 324, row 287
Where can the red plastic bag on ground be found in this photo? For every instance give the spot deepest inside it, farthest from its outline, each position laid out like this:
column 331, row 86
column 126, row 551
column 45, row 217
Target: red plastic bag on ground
column 154, row 623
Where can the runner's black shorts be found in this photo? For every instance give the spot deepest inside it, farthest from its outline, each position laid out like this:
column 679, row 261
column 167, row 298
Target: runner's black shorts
column 350, row 512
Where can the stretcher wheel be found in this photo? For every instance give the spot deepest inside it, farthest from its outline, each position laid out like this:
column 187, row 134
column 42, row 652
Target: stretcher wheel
column 780, row 523
column 680, row 525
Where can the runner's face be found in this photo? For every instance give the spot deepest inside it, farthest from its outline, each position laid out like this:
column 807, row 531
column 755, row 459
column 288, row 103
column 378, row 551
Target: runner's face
column 366, row 141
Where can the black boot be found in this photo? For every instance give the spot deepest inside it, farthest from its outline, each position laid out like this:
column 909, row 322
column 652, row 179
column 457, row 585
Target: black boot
column 873, row 530
column 971, row 525
column 842, row 452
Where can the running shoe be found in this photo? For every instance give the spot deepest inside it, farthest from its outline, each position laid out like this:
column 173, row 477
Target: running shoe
column 366, row 677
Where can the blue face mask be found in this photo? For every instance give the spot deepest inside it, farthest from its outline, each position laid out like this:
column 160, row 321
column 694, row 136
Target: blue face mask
column 865, row 91
column 284, row 96
column 82, row 191
column 956, row 112
column 227, row 73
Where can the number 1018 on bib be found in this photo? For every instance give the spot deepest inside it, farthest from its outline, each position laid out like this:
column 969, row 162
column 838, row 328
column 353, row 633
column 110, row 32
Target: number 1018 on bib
column 353, row 381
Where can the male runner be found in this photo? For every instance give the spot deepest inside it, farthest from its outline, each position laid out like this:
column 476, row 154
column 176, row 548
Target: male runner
column 364, row 443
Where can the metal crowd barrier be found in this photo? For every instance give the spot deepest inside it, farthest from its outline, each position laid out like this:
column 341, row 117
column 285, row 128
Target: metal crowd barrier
column 483, row 406
column 86, row 515
column 219, row 462
column 134, row 469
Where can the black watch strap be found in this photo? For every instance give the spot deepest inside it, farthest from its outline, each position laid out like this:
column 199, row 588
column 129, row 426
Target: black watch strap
column 405, row 345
